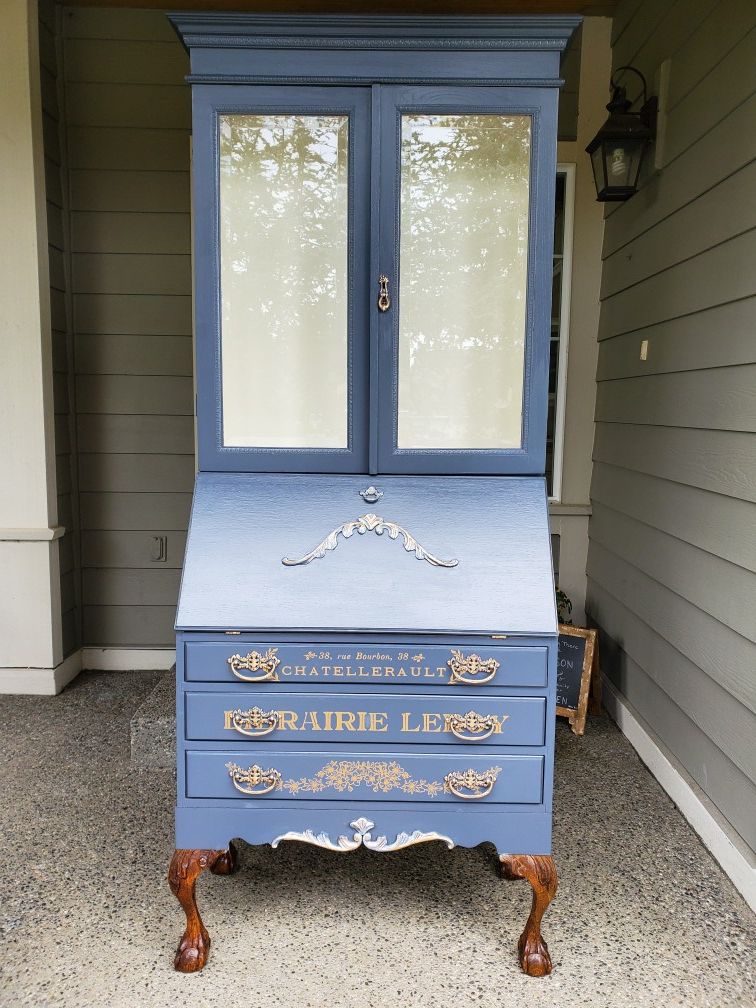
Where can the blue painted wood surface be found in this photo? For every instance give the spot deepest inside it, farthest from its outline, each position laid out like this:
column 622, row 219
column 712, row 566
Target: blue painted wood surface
column 208, row 103
column 242, row 526
column 368, row 593
column 541, row 106
column 412, row 665
column 383, row 775
column 510, row 829
column 314, row 716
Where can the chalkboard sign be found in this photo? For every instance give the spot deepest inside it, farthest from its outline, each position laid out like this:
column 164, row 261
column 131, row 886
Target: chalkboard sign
column 577, row 671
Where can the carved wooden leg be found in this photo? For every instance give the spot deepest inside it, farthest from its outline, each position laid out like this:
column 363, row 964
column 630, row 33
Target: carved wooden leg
column 228, row 862
column 186, row 867
column 539, row 870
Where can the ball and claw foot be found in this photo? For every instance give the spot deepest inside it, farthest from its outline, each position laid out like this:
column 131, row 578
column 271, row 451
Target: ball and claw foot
column 228, row 862
column 540, row 872
column 186, row 867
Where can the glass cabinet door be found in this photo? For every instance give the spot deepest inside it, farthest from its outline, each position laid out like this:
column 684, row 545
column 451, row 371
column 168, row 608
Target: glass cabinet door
column 292, row 198
column 458, row 173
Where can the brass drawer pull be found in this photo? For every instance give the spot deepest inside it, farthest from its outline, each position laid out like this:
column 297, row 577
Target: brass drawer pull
column 464, row 670
column 254, row 780
column 468, row 727
column 254, row 722
column 384, row 301
column 469, row 784
column 256, row 662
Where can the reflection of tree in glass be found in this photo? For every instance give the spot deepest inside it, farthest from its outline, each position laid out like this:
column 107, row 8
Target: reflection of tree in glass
column 464, row 220
column 284, row 244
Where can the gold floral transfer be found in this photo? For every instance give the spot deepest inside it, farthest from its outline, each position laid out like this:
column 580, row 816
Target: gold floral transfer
column 381, row 777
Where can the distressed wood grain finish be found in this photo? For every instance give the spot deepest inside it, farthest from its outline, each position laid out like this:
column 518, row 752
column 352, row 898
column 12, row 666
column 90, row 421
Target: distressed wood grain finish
column 540, row 872
column 496, row 526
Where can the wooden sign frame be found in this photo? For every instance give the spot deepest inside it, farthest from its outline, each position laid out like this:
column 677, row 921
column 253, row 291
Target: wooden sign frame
column 590, row 680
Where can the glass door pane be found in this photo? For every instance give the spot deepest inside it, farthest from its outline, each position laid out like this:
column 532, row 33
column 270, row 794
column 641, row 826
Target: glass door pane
column 463, row 258
column 284, row 238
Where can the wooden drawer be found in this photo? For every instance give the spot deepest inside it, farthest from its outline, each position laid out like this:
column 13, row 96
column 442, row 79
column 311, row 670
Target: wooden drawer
column 314, row 716
column 264, row 775
column 479, row 667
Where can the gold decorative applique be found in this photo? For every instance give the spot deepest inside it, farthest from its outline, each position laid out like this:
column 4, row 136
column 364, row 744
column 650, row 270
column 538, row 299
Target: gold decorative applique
column 346, row 775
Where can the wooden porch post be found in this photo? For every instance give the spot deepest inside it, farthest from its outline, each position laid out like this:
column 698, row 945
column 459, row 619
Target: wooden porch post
column 30, row 614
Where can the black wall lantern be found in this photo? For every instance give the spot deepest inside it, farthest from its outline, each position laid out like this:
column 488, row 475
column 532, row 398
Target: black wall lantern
column 618, row 147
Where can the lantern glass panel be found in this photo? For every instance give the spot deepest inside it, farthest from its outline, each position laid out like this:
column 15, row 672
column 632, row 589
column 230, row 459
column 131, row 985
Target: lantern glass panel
column 599, row 176
column 622, row 159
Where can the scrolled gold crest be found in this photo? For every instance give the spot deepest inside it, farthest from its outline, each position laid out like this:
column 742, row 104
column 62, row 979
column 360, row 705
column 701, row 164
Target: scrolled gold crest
column 469, row 784
column 254, row 722
column 472, row 726
column 467, row 669
column 255, row 662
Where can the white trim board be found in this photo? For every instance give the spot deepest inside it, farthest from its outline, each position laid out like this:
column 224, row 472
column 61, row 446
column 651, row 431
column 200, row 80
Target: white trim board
column 50, row 681
column 40, row 681
column 127, row 659
column 727, row 848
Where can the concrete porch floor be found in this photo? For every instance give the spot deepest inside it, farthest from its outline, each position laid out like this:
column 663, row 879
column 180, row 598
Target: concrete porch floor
column 644, row 916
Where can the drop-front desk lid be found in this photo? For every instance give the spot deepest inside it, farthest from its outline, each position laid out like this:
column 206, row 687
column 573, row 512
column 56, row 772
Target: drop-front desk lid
column 442, row 554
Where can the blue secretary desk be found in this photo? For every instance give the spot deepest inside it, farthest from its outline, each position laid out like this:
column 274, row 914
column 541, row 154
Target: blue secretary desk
column 366, row 634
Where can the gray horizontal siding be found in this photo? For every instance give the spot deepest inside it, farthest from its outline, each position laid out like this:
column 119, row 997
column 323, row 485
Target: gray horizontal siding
column 725, row 656
column 720, row 588
column 130, row 511
column 713, row 157
column 725, row 210
column 722, row 399
column 140, row 354
column 128, row 117
column 685, row 344
column 123, row 433
column 721, row 461
column 672, row 556
column 116, row 433
column 120, row 626
column 129, row 550
column 702, row 758
column 703, row 519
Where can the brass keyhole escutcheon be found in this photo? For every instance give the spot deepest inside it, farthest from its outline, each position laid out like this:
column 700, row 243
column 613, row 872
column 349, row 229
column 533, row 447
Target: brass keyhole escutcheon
column 384, row 301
